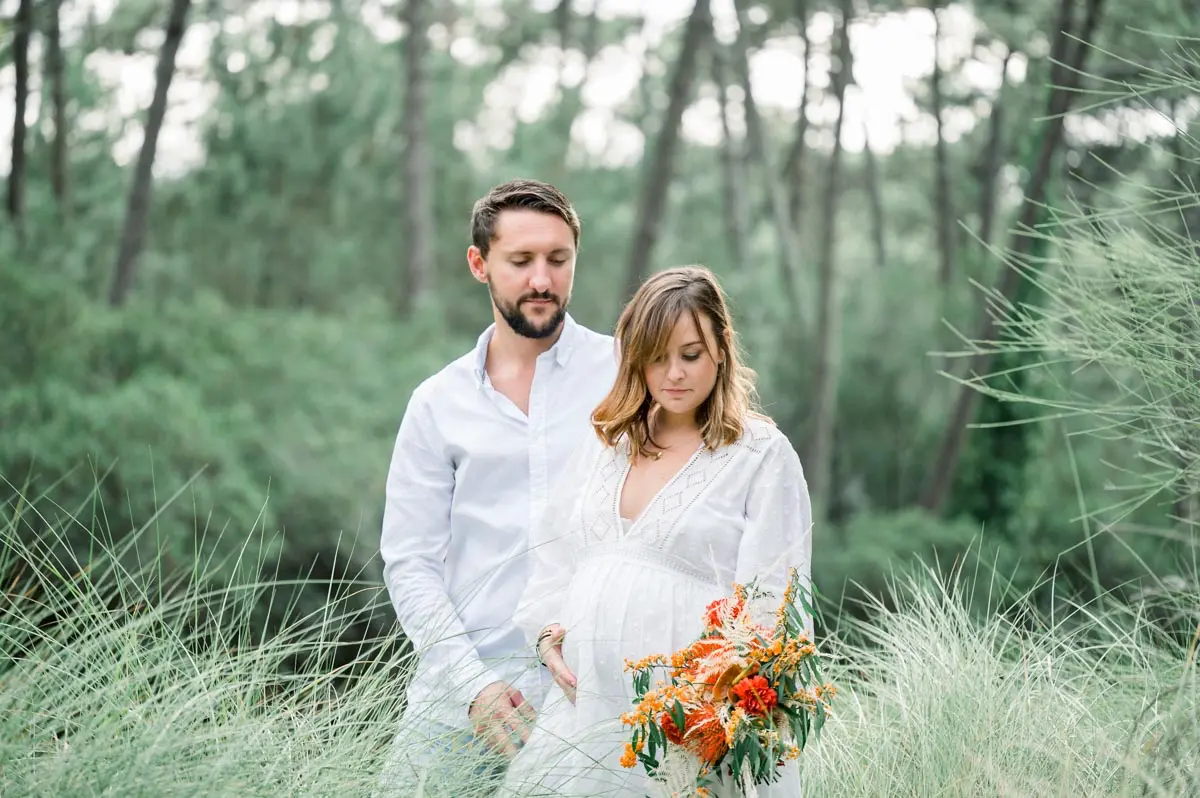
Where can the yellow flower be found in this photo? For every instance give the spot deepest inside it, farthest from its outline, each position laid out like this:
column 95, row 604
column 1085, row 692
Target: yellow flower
column 654, row 660
column 825, row 691
column 731, row 728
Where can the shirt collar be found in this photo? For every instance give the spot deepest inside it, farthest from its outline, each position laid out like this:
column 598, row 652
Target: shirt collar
column 561, row 350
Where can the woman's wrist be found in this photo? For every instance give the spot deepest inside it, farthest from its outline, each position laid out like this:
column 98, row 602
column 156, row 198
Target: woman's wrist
column 551, row 635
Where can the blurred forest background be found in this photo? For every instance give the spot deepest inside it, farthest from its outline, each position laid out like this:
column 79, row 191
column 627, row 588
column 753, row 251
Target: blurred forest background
column 234, row 233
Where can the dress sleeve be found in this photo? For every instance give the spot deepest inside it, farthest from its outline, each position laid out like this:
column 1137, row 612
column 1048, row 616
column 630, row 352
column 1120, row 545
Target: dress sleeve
column 552, row 544
column 778, row 534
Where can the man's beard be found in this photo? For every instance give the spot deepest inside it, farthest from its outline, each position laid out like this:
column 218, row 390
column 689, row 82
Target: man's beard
column 520, row 324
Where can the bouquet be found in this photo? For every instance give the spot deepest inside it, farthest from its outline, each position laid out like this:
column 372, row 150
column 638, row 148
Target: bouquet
column 737, row 703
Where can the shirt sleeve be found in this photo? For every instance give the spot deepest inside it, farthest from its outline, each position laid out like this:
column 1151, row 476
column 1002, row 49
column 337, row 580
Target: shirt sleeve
column 552, row 544
column 778, row 534
column 413, row 544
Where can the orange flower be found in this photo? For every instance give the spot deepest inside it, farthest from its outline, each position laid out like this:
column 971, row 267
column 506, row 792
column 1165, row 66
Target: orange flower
column 670, row 730
column 705, row 735
column 685, row 660
column 755, row 695
column 702, row 734
column 714, row 658
column 717, row 612
column 629, row 758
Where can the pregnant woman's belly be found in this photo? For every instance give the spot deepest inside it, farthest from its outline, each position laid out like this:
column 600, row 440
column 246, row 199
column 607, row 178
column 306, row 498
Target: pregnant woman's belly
column 628, row 603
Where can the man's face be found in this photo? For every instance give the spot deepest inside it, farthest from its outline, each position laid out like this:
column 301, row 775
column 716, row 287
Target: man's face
column 529, row 270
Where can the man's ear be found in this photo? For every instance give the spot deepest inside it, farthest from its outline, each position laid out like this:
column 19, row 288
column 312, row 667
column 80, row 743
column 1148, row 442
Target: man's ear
column 477, row 263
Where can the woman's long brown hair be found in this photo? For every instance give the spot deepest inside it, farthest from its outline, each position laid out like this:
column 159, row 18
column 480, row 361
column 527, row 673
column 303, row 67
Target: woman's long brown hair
column 642, row 333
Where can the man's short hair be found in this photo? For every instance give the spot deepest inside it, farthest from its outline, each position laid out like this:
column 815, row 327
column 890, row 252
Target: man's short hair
column 523, row 193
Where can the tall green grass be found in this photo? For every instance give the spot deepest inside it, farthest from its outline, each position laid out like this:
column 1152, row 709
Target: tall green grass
column 123, row 680
column 945, row 700
column 131, row 682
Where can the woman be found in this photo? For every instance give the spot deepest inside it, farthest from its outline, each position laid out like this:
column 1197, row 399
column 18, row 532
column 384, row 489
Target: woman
column 683, row 490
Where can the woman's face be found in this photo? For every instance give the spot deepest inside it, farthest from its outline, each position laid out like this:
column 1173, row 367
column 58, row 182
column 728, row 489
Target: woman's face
column 683, row 377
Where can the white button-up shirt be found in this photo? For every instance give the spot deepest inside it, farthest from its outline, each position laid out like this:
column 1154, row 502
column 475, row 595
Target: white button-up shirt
column 469, row 475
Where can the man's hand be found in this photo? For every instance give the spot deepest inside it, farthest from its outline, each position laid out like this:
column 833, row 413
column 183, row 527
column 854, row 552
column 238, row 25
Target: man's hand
column 499, row 713
column 550, row 651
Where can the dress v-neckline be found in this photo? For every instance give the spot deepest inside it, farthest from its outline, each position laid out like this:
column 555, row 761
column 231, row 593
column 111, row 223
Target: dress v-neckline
column 623, row 478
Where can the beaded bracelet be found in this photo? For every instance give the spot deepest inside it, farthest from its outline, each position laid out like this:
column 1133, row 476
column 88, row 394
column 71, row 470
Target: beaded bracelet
column 549, row 631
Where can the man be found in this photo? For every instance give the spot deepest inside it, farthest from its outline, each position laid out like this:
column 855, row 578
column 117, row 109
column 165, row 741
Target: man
column 479, row 445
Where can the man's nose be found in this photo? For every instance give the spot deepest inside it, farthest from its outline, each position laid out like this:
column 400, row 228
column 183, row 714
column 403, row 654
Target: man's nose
column 539, row 276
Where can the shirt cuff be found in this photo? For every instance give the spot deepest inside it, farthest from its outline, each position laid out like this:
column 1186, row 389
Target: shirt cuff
column 472, row 685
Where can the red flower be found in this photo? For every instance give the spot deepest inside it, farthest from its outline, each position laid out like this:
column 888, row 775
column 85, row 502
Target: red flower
column 755, row 695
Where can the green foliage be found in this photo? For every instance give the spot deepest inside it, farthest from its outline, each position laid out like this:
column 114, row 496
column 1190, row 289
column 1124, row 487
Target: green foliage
column 281, row 422
column 864, row 553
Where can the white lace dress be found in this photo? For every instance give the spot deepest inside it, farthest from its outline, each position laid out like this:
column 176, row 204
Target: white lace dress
column 628, row 589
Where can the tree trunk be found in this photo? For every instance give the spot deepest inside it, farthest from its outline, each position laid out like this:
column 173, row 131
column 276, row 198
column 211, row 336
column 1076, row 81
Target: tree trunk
column 643, row 105
column 58, row 94
column 138, row 206
column 1063, row 80
column 819, row 466
column 875, row 197
column 733, row 177
column 793, row 167
column 23, row 30
column 993, row 158
column 944, row 200
column 571, row 98
column 417, row 227
column 659, row 163
column 760, row 150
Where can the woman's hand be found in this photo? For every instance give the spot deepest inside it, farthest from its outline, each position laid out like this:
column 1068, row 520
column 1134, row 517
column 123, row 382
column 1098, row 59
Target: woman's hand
column 550, row 653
